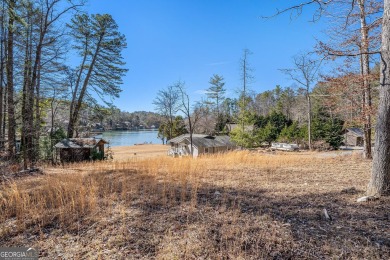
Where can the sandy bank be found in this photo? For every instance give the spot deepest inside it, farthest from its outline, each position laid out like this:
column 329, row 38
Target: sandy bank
column 138, row 151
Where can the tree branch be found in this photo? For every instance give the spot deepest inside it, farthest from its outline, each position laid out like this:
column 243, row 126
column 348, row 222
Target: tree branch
column 352, row 54
column 299, row 8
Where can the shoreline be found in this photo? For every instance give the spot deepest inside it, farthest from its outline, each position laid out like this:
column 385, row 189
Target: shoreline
column 121, row 153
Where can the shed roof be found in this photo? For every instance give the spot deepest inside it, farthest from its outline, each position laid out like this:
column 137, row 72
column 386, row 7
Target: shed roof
column 180, row 138
column 79, row 143
column 200, row 140
column 355, row 131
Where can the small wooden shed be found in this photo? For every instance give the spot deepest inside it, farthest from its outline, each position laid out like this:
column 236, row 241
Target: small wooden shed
column 353, row 136
column 202, row 144
column 79, row 149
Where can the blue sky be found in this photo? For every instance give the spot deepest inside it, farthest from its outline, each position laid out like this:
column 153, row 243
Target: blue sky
column 190, row 40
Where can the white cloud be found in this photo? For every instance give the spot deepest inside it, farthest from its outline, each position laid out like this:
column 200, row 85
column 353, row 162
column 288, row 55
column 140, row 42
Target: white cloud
column 202, row 92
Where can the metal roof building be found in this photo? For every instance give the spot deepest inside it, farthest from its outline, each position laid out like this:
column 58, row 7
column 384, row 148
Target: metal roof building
column 202, row 144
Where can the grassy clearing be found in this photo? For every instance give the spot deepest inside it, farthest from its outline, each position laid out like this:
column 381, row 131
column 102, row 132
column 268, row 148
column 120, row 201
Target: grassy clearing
column 239, row 205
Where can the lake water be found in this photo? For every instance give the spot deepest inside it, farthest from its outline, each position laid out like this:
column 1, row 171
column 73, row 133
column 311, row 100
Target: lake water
column 126, row 138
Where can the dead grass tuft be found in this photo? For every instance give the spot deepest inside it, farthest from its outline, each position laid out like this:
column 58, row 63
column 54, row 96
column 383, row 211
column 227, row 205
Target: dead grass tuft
column 240, row 205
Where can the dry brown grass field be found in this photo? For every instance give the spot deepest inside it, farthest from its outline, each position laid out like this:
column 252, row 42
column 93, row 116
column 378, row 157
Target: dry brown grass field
column 240, row 205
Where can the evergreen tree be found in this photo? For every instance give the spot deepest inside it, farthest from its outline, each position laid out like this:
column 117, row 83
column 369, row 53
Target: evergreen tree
column 167, row 131
column 278, row 120
column 268, row 134
column 292, row 133
column 242, row 138
column 327, row 128
column 333, row 133
column 100, row 45
column 178, row 127
column 216, row 92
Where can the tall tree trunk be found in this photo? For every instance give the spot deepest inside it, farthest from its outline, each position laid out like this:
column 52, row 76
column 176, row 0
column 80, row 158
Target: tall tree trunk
column 170, row 122
column 244, row 92
column 2, row 71
column 309, row 119
column 365, row 66
column 244, row 80
column 53, row 112
column 5, row 98
column 75, row 116
column 25, row 107
column 380, row 176
column 31, row 87
column 31, row 134
column 4, row 115
column 72, row 124
column 191, row 130
column 10, row 80
column 37, row 114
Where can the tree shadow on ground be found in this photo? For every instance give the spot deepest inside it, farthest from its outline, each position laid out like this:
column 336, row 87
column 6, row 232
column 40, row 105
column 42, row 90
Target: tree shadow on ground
column 280, row 226
column 149, row 217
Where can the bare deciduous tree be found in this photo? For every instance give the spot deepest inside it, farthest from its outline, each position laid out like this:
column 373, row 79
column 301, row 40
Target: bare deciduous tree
column 192, row 113
column 246, row 75
column 380, row 176
column 167, row 104
column 305, row 73
column 356, row 35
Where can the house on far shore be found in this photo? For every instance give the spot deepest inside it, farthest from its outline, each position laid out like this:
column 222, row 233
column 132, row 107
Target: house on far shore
column 202, row 144
column 79, row 149
column 353, row 136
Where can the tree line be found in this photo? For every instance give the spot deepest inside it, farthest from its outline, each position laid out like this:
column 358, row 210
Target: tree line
column 356, row 91
column 279, row 114
column 360, row 31
column 36, row 37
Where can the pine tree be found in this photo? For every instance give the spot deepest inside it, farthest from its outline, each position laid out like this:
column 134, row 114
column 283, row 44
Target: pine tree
column 216, row 92
column 100, row 45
